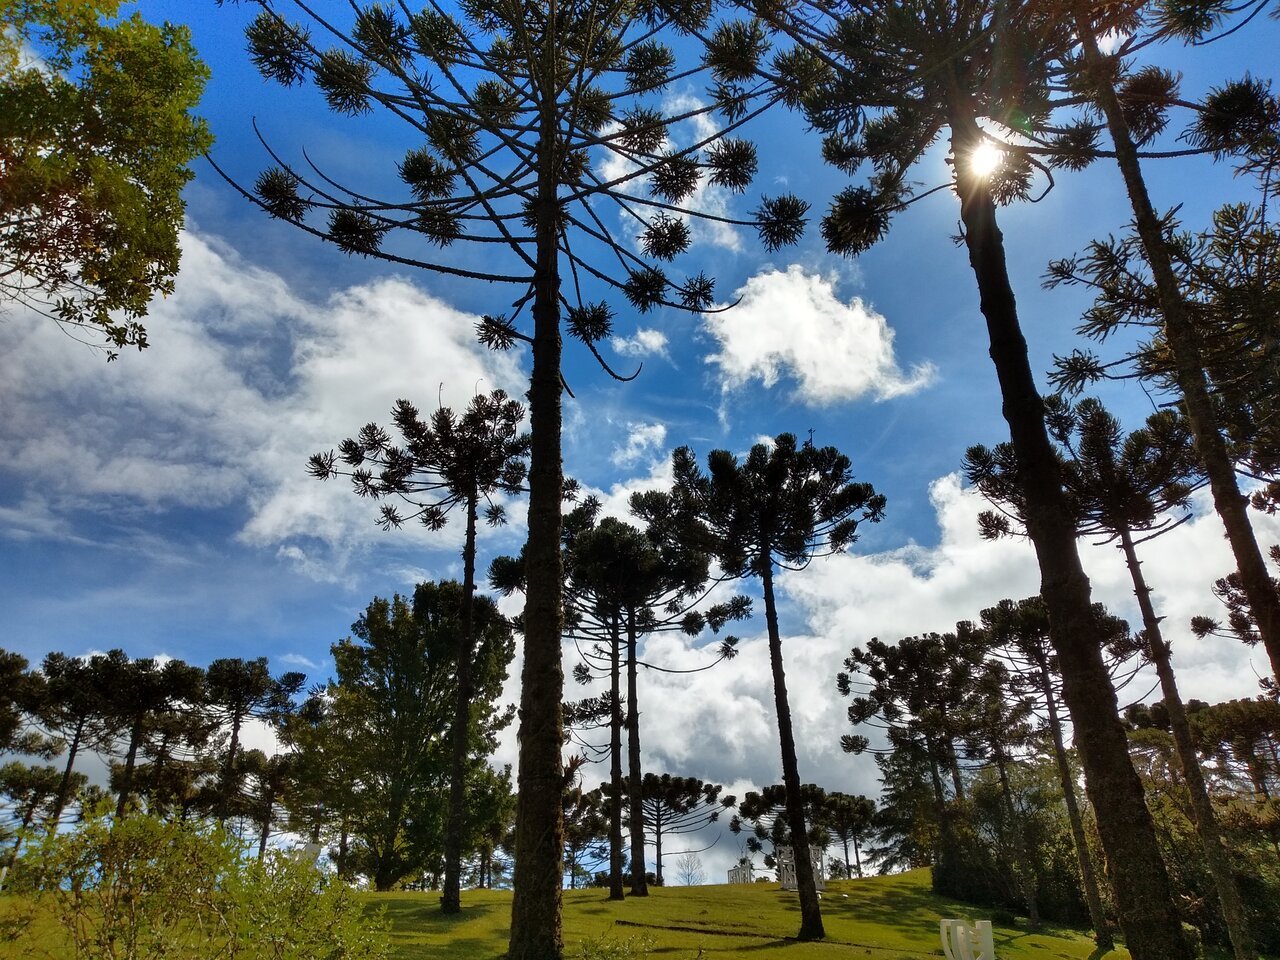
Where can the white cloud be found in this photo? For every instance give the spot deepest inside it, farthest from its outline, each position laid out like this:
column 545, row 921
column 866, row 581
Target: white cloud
column 643, row 440
column 243, row 380
column 792, row 324
column 645, row 343
column 298, row 660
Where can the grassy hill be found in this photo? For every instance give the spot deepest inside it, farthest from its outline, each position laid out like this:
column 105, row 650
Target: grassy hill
column 880, row 918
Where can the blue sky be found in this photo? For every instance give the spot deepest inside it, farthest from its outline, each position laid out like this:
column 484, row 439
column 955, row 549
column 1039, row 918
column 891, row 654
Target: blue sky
column 161, row 503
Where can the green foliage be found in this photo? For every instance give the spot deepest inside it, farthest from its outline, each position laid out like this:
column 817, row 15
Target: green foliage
column 95, row 145
column 611, row 948
column 146, row 889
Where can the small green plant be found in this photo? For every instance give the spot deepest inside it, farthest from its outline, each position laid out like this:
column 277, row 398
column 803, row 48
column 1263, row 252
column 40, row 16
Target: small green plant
column 610, row 948
column 142, row 888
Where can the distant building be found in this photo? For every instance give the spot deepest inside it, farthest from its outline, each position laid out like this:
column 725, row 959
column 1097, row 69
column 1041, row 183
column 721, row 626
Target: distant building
column 743, row 873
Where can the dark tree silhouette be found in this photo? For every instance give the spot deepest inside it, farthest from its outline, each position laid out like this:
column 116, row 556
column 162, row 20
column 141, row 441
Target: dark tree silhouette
column 75, row 709
column 508, row 104
column 452, row 461
column 783, row 505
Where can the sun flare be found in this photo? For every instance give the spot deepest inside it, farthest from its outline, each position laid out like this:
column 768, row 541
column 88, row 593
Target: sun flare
column 986, row 159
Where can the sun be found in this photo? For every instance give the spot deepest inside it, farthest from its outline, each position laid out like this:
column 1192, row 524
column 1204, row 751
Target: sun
column 986, row 159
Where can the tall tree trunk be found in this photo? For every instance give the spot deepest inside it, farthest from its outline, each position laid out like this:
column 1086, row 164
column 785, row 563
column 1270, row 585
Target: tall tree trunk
column 536, row 926
column 1233, row 910
column 847, row 871
column 810, row 915
column 451, row 898
column 1180, row 335
column 64, row 786
column 130, row 760
column 1143, row 896
column 639, row 886
column 857, row 857
column 1088, row 877
column 616, row 855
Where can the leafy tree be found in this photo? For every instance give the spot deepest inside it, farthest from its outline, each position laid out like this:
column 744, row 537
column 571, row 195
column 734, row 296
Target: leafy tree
column 1124, row 488
column 883, row 81
column 920, row 688
column 452, row 461
column 30, row 793
column 96, row 139
column 674, row 805
column 849, row 819
column 1022, row 630
column 238, row 690
column 21, row 691
column 392, row 710
column 586, row 831
column 508, row 104
column 781, row 507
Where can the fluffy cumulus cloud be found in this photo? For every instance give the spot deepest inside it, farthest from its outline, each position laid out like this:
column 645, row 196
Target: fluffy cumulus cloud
column 645, row 343
column 243, row 381
column 644, row 440
column 792, row 324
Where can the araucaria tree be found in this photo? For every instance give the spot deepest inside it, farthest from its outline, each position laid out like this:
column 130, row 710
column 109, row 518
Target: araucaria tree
column 512, row 108
column 884, row 81
column 450, row 462
column 786, row 503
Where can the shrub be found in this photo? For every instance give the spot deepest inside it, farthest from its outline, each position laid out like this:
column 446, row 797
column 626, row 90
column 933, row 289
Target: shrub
column 142, row 888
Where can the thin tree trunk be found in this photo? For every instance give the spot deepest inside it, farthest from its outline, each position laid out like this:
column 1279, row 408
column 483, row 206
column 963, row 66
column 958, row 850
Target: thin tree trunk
column 1088, row 877
column 657, row 849
column 1188, row 371
column 857, row 858
column 1233, row 910
column 1143, row 895
column 615, row 762
column 810, row 914
column 536, row 925
column 639, row 886
column 64, row 786
column 451, row 898
column 126, row 777
column 847, row 872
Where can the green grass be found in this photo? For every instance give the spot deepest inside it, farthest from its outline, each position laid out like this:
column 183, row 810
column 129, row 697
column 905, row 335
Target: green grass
column 883, row 918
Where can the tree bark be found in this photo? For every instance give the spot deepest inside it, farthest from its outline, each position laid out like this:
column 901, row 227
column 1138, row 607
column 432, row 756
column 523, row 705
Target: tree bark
column 1088, row 877
column 811, row 927
column 451, row 898
column 1143, row 896
column 1233, row 910
column 639, row 886
column 64, row 786
column 1188, row 371
column 536, row 926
